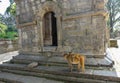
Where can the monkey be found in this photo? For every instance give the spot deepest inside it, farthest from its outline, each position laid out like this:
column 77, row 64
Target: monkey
column 75, row 59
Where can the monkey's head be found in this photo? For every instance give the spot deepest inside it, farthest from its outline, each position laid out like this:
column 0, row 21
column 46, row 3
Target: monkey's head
column 65, row 56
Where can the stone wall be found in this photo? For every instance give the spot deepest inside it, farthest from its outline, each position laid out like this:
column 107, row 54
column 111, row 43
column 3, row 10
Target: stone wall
column 81, row 25
column 8, row 46
column 86, row 34
column 77, row 7
column 29, row 38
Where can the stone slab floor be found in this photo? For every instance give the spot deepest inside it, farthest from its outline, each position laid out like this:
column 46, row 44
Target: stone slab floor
column 113, row 53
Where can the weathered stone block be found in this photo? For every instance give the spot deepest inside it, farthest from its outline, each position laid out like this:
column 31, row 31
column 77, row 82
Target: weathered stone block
column 113, row 43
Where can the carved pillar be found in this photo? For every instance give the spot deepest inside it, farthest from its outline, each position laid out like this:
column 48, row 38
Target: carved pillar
column 41, row 35
column 40, row 30
column 59, row 30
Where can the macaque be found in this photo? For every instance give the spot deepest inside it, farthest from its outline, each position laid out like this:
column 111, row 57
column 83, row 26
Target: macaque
column 75, row 59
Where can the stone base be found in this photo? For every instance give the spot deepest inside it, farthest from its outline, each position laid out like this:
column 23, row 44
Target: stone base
column 57, row 53
column 56, row 68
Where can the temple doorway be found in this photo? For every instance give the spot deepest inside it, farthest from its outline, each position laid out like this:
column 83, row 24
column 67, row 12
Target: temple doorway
column 50, row 29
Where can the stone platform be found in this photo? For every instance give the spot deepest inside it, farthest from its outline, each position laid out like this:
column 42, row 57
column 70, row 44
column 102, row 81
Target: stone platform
column 98, row 70
column 62, row 73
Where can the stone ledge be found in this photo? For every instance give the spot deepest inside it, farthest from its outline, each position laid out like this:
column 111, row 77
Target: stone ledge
column 84, row 14
column 57, row 53
column 27, row 24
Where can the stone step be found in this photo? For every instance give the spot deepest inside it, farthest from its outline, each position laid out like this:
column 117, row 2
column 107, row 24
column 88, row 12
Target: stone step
column 50, row 49
column 45, row 53
column 62, row 73
column 15, row 78
column 59, row 60
column 55, row 77
column 60, row 64
column 4, row 80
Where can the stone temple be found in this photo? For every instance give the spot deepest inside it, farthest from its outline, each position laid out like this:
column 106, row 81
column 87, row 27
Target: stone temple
column 59, row 26
column 49, row 28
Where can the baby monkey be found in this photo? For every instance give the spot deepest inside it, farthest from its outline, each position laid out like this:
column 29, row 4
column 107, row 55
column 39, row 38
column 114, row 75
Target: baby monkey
column 75, row 59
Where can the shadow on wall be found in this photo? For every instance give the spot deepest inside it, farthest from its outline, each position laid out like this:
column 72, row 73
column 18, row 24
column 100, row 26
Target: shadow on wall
column 8, row 45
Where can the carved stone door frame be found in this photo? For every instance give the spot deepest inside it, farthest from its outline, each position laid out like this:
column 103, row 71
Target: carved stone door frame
column 49, row 6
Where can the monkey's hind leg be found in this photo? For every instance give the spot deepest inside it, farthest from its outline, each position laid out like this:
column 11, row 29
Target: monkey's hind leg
column 71, row 67
column 83, row 64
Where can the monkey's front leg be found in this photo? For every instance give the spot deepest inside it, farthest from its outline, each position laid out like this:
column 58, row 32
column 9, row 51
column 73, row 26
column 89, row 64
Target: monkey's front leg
column 70, row 66
column 79, row 65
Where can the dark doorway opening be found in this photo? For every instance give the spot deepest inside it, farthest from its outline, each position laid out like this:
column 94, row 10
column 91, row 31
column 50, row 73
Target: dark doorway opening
column 50, row 29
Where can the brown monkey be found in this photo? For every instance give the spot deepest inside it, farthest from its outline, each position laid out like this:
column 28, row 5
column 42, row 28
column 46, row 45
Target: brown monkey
column 75, row 59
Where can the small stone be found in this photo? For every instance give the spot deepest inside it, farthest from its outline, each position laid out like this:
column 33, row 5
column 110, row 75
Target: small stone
column 32, row 65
